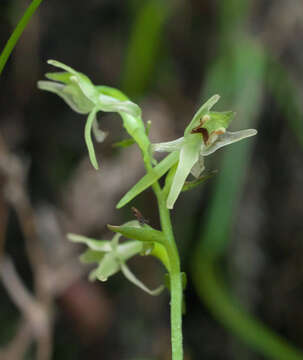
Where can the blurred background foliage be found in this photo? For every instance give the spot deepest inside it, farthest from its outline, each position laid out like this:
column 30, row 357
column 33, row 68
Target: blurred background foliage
column 240, row 235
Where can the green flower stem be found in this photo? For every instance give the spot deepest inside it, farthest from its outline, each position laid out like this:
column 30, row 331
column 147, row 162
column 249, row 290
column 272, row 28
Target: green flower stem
column 11, row 43
column 176, row 289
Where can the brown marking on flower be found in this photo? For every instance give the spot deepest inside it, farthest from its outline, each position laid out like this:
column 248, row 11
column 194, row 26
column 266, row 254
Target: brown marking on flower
column 219, row 132
column 200, row 130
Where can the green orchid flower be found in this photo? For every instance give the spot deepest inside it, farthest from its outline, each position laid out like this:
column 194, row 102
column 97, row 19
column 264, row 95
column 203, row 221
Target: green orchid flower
column 205, row 134
column 111, row 257
column 77, row 90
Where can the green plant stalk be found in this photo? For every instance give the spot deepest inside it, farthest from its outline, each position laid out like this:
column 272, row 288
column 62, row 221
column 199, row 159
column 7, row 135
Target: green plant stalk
column 176, row 288
column 159, row 13
column 12, row 41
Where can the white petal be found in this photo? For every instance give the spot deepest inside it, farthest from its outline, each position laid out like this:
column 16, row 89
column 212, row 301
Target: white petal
column 189, row 155
column 198, row 168
column 168, row 146
column 226, row 139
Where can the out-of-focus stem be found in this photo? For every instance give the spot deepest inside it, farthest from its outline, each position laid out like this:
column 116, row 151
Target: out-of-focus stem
column 13, row 39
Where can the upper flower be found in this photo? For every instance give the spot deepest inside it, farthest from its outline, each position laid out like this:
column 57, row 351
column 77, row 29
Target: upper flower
column 77, row 90
column 205, row 134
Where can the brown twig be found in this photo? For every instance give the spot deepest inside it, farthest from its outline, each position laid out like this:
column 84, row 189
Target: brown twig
column 14, row 173
column 25, row 302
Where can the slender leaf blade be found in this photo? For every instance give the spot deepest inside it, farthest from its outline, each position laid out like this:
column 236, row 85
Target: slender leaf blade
column 151, row 177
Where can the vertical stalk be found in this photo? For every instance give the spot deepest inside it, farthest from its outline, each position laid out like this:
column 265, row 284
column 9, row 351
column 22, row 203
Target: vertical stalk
column 176, row 289
column 176, row 293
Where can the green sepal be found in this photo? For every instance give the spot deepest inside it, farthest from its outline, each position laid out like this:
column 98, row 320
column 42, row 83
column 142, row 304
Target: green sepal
column 63, row 77
column 189, row 185
column 91, row 256
column 151, row 177
column 160, row 253
column 110, row 91
column 203, row 110
column 218, row 120
column 145, row 233
column 93, row 244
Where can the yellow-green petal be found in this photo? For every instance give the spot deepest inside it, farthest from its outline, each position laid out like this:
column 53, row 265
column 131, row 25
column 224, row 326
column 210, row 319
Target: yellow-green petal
column 189, row 155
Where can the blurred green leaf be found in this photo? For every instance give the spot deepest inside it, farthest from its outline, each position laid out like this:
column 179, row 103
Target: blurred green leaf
column 287, row 95
column 145, row 38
